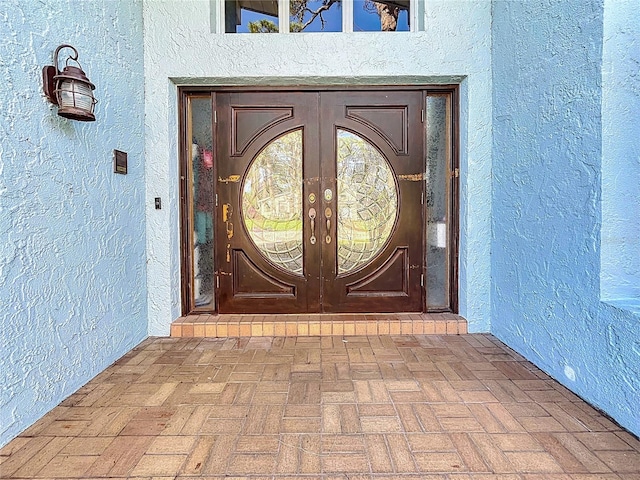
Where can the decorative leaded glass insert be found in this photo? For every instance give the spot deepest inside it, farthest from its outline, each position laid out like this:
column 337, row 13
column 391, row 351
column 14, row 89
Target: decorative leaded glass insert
column 272, row 202
column 367, row 201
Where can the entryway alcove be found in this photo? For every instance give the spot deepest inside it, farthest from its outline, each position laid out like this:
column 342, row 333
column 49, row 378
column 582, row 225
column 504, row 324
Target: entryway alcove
column 319, row 211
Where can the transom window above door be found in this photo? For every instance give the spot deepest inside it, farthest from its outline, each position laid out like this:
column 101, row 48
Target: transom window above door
column 308, row 16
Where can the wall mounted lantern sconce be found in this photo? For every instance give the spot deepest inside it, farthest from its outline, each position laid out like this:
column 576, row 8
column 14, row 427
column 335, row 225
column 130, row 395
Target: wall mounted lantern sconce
column 69, row 89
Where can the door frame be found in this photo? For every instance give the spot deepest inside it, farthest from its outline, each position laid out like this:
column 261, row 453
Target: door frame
column 186, row 200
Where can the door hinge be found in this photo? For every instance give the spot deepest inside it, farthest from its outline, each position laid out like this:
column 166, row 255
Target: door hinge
column 217, row 281
column 216, row 199
column 422, row 116
column 422, row 280
column 215, row 116
column 455, row 173
column 422, row 198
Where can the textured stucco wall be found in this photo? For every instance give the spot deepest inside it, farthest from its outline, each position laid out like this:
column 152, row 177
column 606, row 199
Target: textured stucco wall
column 620, row 276
column 547, row 156
column 181, row 50
column 72, row 236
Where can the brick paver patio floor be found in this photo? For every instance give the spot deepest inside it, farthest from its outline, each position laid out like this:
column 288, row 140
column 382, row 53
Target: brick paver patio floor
column 380, row 407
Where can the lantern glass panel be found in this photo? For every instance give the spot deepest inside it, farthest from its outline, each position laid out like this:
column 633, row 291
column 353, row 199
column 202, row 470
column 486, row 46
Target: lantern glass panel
column 75, row 94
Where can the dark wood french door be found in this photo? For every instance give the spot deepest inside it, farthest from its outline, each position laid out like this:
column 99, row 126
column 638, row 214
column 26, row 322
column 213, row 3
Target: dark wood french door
column 319, row 202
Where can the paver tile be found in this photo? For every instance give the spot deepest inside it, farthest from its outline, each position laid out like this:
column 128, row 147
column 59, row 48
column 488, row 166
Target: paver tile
column 394, row 406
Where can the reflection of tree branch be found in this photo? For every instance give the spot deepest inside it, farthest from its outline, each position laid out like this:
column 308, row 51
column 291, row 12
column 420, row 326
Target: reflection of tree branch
column 387, row 11
column 317, row 13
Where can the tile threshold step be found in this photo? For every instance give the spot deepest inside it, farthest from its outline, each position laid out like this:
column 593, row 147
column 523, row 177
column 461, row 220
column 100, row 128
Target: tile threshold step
column 296, row 325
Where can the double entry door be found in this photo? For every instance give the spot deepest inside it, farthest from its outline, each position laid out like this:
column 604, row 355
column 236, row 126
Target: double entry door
column 319, row 202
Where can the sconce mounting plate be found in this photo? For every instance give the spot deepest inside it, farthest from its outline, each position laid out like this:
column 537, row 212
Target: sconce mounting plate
column 48, row 83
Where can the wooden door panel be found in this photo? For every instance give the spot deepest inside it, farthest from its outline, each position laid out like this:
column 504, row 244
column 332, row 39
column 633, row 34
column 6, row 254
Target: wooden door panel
column 391, row 122
column 384, row 278
column 388, row 121
column 250, row 278
column 252, row 281
column 389, row 280
column 248, row 122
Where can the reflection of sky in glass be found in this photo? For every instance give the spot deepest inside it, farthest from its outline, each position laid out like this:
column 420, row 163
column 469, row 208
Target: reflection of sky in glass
column 248, row 16
column 363, row 19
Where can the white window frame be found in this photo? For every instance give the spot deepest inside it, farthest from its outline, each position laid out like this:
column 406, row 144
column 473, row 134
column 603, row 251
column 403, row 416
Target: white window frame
column 415, row 23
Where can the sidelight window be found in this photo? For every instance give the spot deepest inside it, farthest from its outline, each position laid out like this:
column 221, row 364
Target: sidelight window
column 198, row 238
column 440, row 198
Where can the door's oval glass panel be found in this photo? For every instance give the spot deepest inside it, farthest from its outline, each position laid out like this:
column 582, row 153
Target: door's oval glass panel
column 367, row 201
column 272, row 202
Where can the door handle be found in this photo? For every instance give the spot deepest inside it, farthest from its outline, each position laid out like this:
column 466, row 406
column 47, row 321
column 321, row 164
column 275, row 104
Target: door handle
column 312, row 216
column 327, row 214
column 227, row 210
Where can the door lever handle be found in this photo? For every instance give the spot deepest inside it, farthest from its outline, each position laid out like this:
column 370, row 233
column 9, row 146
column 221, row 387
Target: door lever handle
column 312, row 216
column 327, row 214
